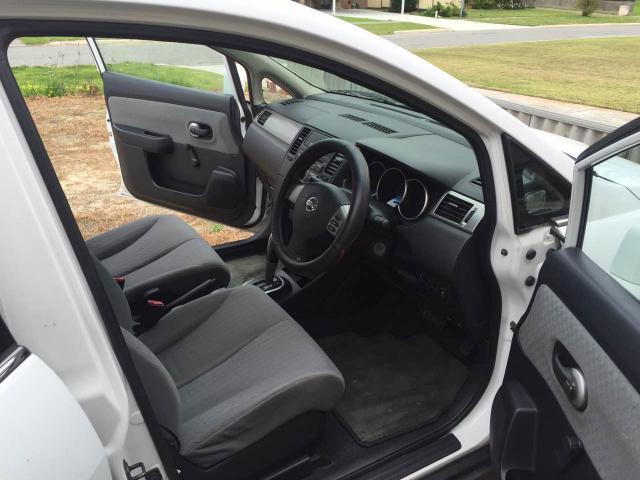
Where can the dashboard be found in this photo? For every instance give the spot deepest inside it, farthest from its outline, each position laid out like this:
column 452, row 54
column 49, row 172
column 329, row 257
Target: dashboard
column 423, row 172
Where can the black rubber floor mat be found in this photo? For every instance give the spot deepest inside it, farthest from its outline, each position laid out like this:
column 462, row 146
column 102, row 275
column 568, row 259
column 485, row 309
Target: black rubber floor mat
column 393, row 385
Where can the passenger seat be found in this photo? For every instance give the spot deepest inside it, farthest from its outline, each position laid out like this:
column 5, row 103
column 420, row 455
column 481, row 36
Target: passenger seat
column 159, row 257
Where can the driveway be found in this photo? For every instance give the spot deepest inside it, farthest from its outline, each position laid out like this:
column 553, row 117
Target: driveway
column 436, row 39
column 447, row 24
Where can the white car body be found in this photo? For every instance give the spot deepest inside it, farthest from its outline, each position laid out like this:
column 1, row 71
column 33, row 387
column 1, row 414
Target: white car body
column 57, row 312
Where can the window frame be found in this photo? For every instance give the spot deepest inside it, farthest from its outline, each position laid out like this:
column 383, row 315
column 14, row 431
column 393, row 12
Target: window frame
column 583, row 180
column 588, row 188
column 278, row 84
column 520, row 229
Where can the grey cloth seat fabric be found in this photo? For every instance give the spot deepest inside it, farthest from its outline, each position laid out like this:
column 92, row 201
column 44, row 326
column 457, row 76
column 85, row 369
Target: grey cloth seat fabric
column 160, row 251
column 224, row 371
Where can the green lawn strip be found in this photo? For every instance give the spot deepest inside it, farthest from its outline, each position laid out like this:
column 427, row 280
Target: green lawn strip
column 543, row 16
column 389, row 28
column 384, row 27
column 598, row 72
column 85, row 80
column 186, row 77
column 358, row 19
column 45, row 40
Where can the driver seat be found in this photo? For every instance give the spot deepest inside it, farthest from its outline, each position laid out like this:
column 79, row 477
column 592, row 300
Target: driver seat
column 238, row 386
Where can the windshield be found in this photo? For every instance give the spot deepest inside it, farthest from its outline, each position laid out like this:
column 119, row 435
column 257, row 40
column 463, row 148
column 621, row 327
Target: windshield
column 331, row 83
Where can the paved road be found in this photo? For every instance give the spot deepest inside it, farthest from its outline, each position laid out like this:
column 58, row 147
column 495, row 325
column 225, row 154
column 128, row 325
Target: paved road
column 138, row 51
column 63, row 55
column 452, row 39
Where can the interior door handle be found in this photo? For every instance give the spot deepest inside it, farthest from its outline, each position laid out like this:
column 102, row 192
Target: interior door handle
column 200, row 130
column 570, row 377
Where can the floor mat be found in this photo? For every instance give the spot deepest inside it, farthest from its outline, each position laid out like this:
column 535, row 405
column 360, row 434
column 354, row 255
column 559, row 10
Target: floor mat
column 245, row 269
column 393, row 385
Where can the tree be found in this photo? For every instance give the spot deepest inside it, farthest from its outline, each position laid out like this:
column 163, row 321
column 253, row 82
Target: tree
column 587, row 7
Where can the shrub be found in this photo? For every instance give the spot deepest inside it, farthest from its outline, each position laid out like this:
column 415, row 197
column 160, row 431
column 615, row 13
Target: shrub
column 484, row 4
column 587, row 7
column 511, row 4
column 409, row 5
column 449, row 10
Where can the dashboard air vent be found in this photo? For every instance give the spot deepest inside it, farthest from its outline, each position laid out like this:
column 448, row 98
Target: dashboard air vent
column 263, row 117
column 289, row 102
column 304, row 133
column 477, row 181
column 380, row 128
column 453, row 209
column 332, row 166
column 355, row 118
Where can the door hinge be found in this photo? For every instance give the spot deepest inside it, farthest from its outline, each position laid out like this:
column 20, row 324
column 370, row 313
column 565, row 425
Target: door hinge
column 137, row 471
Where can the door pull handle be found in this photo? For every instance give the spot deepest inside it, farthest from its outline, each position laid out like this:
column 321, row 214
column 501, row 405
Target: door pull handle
column 200, row 130
column 570, row 378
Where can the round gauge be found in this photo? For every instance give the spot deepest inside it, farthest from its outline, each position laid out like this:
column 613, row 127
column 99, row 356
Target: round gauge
column 376, row 169
column 415, row 200
column 392, row 187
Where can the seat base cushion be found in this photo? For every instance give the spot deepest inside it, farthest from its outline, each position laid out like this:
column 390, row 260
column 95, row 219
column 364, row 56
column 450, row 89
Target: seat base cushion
column 158, row 252
column 242, row 368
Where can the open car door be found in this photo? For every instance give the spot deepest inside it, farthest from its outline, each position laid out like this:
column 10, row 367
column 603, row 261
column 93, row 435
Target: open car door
column 45, row 432
column 178, row 127
column 569, row 406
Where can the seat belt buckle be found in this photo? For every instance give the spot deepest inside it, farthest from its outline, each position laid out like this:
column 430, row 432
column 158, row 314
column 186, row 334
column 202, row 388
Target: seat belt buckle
column 120, row 281
column 155, row 303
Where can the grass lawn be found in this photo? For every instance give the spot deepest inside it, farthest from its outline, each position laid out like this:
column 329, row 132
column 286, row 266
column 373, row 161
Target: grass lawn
column 546, row 16
column 85, row 80
column 358, row 19
column 45, row 40
column 598, row 72
column 384, row 27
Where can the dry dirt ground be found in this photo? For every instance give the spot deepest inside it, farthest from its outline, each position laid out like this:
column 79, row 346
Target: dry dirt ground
column 88, row 171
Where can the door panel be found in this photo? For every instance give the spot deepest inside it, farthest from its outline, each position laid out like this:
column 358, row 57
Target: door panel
column 181, row 148
column 589, row 326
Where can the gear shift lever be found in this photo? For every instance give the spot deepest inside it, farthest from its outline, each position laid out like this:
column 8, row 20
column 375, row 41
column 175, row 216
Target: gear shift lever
column 272, row 263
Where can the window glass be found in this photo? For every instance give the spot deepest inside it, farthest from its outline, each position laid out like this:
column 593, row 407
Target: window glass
column 187, row 65
column 329, row 82
column 612, row 230
column 272, row 92
column 539, row 194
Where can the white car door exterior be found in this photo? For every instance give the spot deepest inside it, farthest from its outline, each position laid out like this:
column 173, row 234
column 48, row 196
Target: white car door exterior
column 44, row 433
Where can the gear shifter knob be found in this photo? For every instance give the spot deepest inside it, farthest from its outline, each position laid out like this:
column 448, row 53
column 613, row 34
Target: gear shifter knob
column 272, row 263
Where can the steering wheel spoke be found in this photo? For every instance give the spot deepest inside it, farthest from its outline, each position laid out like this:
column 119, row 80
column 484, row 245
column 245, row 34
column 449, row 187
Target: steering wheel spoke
column 299, row 245
column 337, row 220
column 295, row 192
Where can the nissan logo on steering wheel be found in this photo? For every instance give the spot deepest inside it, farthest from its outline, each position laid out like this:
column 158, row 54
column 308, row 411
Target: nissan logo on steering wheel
column 311, row 205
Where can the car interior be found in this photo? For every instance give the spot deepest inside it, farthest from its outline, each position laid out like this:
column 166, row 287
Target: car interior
column 355, row 327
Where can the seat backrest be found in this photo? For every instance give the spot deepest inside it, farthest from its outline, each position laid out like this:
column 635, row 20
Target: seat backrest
column 156, row 380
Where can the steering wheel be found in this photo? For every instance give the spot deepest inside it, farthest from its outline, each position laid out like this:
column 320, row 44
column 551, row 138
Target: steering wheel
column 313, row 223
